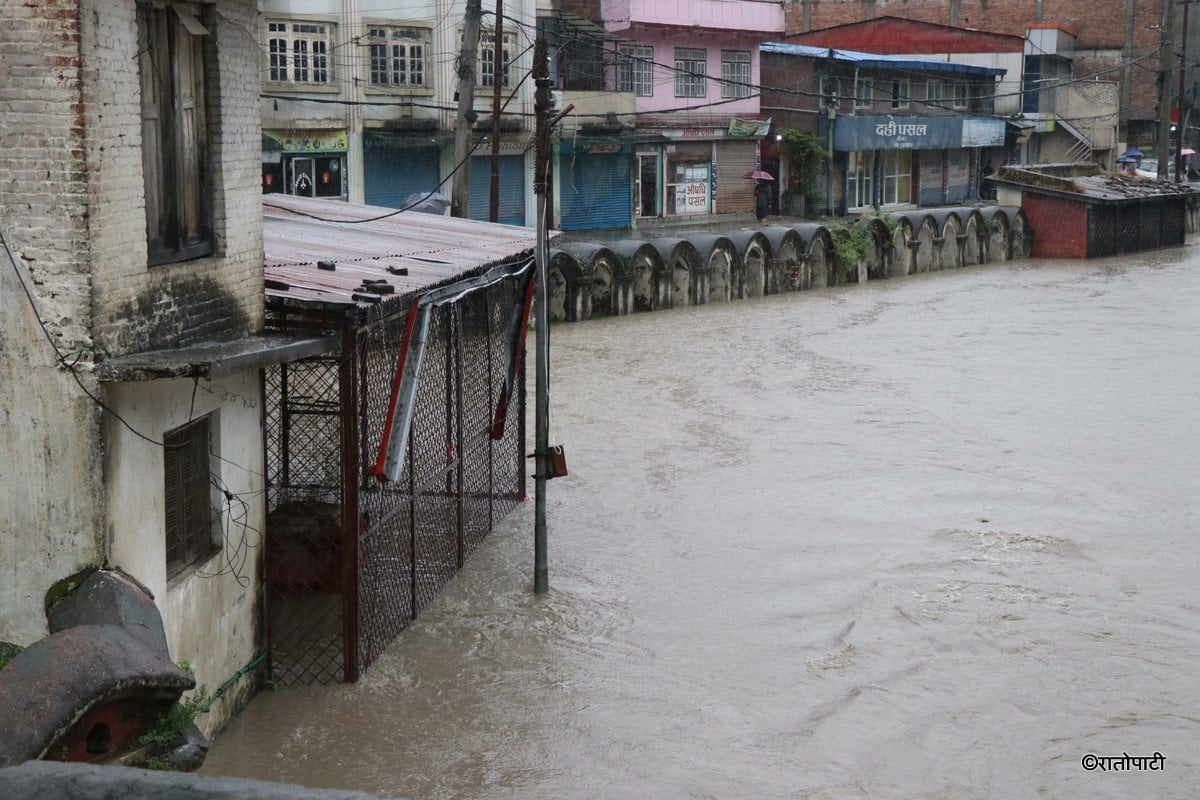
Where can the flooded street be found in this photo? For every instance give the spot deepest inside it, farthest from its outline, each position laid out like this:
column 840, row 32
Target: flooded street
column 932, row 537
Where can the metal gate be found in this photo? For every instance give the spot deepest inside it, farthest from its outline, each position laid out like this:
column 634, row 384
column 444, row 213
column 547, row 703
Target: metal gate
column 351, row 560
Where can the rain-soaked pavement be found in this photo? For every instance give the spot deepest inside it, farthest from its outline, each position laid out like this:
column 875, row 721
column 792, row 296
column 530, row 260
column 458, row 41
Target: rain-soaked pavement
column 932, row 537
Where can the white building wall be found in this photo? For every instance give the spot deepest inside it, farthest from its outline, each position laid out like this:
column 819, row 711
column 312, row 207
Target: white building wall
column 212, row 612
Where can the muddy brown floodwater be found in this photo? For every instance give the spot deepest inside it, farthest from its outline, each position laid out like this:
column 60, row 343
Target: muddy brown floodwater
column 932, row 537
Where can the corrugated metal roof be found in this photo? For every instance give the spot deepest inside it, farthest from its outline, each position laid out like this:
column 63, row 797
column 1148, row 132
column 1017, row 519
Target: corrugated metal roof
column 299, row 233
column 877, row 61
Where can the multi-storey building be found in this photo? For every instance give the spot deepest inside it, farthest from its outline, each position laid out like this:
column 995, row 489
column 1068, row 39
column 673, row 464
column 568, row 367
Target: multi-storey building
column 666, row 116
column 130, row 419
column 1111, row 39
column 360, row 99
column 898, row 131
column 1053, row 115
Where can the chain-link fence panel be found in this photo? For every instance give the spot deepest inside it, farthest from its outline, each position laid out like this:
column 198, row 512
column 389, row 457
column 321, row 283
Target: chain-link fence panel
column 304, row 543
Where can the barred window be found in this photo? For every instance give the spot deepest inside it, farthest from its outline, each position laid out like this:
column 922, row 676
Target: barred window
column 398, row 56
column 299, row 53
column 690, row 71
column 635, row 70
column 735, row 73
column 187, row 497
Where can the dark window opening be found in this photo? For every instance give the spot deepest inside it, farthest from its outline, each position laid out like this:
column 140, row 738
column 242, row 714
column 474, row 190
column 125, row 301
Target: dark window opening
column 175, row 147
column 187, row 496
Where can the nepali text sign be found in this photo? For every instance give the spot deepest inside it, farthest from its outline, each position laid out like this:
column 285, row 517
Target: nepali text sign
column 852, row 134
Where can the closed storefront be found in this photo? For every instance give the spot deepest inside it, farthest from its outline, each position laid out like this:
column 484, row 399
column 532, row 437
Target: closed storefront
column 732, row 160
column 595, row 186
column 512, row 189
column 394, row 169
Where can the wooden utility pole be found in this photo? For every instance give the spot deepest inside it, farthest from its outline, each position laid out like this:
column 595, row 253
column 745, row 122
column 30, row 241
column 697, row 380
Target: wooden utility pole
column 467, row 58
column 1165, row 62
column 497, row 86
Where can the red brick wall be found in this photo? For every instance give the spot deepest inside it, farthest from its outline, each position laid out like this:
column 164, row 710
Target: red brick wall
column 1061, row 226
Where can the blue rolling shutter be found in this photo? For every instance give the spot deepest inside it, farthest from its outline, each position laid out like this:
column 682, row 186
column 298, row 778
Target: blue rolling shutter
column 512, row 189
column 391, row 174
column 595, row 190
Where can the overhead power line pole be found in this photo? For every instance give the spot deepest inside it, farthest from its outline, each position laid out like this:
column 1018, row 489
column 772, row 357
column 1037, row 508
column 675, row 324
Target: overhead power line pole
column 467, row 59
column 1165, row 62
column 541, row 448
column 497, row 87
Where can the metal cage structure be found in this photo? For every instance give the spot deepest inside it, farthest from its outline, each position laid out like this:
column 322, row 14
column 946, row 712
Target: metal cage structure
column 351, row 557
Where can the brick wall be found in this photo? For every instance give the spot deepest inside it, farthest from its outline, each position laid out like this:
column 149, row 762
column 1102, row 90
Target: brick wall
column 138, row 307
column 1100, row 26
column 1061, row 225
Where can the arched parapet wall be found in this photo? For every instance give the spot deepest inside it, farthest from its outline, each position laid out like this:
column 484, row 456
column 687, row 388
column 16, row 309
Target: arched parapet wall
column 683, row 272
column 1021, row 236
column 998, row 233
column 565, row 297
column 755, row 251
column 786, row 267
column 821, row 260
column 902, row 249
column 949, row 229
column 878, row 260
column 721, row 263
column 925, row 255
column 973, row 237
column 606, row 282
column 643, row 266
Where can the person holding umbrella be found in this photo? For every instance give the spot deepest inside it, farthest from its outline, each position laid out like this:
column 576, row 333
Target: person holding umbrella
column 762, row 193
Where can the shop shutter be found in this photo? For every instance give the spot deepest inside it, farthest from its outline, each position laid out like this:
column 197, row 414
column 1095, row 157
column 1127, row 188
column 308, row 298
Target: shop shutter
column 390, row 174
column 734, row 193
column 595, row 191
column 512, row 189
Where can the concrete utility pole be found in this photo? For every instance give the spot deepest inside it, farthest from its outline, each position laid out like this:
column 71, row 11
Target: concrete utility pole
column 467, row 58
column 1165, row 61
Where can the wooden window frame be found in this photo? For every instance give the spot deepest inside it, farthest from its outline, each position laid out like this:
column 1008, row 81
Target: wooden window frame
column 487, row 58
column 901, row 90
column 190, row 531
column 635, row 69
column 397, row 57
column 691, row 72
column 864, row 92
column 735, row 73
column 300, row 53
column 174, row 54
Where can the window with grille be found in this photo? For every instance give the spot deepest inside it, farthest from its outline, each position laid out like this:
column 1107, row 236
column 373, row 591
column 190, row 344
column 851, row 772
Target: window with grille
column 398, row 56
column 735, row 73
column 172, row 54
column 635, row 70
column 690, row 66
column 298, row 53
column 187, row 497
column 487, row 58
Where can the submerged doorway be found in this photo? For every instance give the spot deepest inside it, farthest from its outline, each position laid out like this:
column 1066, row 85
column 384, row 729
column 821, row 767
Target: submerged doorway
column 649, row 203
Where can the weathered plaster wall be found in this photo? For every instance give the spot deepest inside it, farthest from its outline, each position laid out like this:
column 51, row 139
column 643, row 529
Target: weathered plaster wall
column 49, row 457
column 141, row 308
column 210, row 617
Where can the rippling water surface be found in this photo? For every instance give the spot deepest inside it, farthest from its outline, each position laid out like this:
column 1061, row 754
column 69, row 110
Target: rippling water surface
column 933, row 537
